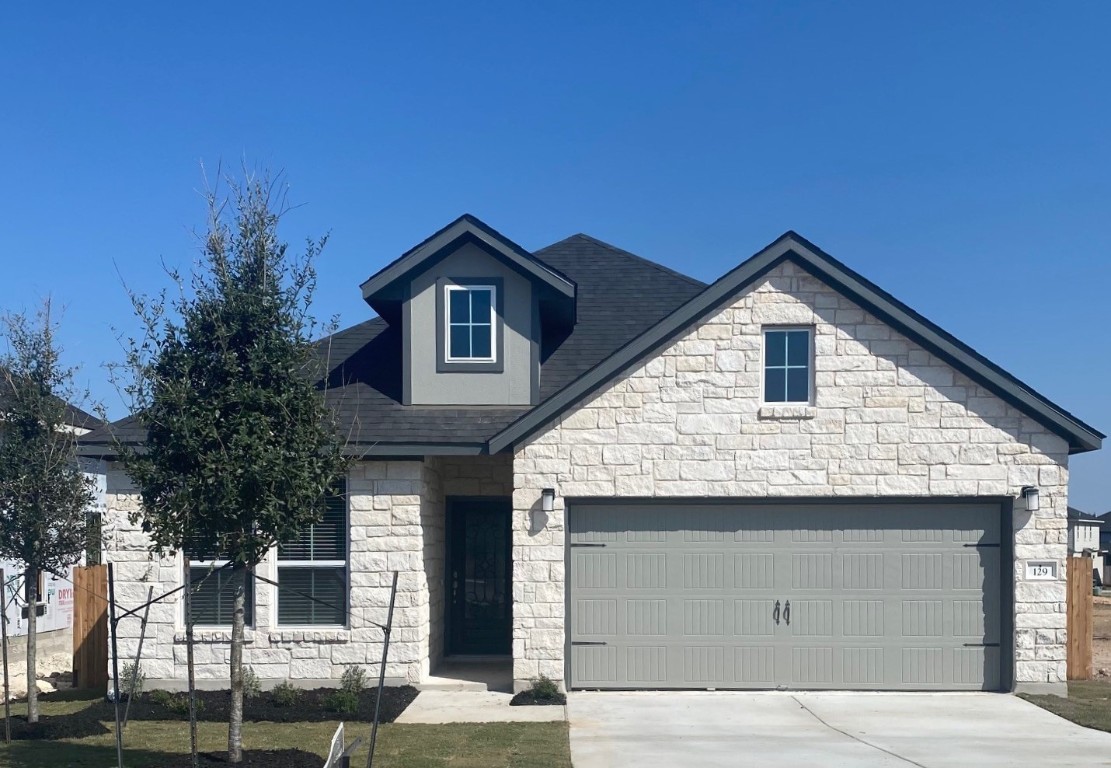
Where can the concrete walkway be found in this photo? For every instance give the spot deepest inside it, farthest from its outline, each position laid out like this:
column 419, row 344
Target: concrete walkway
column 475, row 707
column 785, row 730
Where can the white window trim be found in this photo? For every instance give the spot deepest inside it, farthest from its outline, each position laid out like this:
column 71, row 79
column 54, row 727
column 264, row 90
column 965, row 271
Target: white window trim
column 278, row 563
column 493, row 358
column 216, row 565
column 810, row 364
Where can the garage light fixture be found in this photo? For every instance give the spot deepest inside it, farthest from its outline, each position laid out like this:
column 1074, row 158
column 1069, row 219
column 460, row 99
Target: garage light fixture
column 1030, row 497
column 540, row 514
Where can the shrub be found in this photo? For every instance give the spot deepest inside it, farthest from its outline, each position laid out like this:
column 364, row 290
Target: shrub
column 353, row 680
column 176, row 703
column 252, row 688
column 544, row 687
column 285, row 695
column 128, row 670
column 342, row 701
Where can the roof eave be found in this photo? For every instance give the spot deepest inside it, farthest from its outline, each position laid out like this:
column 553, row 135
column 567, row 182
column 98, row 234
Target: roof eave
column 467, row 226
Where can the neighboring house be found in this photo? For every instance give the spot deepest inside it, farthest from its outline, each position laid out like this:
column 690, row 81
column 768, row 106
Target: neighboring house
column 614, row 475
column 55, row 591
column 1105, row 545
column 1084, row 532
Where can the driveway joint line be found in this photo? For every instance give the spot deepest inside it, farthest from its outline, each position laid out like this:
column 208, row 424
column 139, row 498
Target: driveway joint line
column 854, row 737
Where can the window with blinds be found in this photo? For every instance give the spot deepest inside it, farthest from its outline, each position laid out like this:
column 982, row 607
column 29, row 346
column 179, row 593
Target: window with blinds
column 312, row 571
column 213, row 599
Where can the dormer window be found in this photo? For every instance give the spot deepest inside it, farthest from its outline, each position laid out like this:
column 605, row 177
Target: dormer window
column 471, row 323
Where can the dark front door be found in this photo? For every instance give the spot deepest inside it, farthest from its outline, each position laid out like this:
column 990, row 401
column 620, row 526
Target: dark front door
column 478, row 576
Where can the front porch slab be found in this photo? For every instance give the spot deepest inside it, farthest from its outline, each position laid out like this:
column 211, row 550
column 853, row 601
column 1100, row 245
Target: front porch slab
column 440, row 707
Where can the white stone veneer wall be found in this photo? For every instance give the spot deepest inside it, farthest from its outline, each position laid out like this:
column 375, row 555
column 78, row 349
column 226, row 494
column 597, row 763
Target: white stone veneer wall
column 889, row 419
column 385, row 501
column 396, row 511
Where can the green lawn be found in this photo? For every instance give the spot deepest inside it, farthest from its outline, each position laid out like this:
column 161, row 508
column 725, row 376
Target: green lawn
column 1088, row 704
column 486, row 745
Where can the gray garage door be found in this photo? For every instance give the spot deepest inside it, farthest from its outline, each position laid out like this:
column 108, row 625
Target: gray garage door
column 861, row 596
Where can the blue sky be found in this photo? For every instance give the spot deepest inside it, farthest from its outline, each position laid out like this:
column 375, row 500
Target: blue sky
column 957, row 154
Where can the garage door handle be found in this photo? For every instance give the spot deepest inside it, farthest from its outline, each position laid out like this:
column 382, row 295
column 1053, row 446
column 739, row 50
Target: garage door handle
column 787, row 613
column 775, row 613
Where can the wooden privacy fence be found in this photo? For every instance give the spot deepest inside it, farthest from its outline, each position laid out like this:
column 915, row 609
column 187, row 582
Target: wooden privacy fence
column 90, row 627
column 1079, row 622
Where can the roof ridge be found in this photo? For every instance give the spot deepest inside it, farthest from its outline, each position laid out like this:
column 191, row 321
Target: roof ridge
column 621, row 251
column 845, row 281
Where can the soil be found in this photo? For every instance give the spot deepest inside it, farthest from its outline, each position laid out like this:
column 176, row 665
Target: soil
column 1101, row 637
column 252, row 758
column 533, row 699
column 213, row 707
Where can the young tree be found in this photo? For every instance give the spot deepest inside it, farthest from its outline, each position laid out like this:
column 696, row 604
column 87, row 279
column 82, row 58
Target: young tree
column 43, row 493
column 241, row 449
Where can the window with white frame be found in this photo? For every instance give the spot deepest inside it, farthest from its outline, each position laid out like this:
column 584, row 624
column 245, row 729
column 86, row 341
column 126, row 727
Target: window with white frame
column 787, row 365
column 312, row 571
column 470, row 333
column 213, row 597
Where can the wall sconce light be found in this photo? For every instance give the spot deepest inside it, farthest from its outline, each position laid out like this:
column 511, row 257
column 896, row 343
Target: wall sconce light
column 1030, row 497
column 547, row 505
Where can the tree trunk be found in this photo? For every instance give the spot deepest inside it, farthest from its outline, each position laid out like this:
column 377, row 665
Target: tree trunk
column 235, row 717
column 190, row 669
column 32, row 626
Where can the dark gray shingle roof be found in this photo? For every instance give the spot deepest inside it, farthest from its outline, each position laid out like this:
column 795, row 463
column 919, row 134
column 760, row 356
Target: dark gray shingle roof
column 620, row 295
column 1076, row 514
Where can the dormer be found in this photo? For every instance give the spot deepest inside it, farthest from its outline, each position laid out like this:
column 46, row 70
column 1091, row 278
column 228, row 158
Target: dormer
column 474, row 310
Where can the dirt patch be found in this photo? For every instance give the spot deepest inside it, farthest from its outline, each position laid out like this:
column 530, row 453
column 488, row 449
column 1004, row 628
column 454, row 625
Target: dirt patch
column 1101, row 637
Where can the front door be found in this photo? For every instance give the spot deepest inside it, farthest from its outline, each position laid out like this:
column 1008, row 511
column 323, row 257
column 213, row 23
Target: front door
column 478, row 576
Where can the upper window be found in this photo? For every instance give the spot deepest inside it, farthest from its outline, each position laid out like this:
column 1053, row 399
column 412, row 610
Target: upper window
column 312, row 571
column 470, row 323
column 787, row 365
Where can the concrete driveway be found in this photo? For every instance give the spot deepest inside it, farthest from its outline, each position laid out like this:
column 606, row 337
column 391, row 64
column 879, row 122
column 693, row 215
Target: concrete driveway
column 784, row 730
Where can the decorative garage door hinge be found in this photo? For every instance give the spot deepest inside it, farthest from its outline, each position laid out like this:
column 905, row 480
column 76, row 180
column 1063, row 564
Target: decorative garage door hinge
column 584, row 544
column 587, row 642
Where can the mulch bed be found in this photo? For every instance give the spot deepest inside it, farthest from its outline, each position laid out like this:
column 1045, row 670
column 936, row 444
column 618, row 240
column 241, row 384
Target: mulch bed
column 213, row 707
column 533, row 699
column 252, row 758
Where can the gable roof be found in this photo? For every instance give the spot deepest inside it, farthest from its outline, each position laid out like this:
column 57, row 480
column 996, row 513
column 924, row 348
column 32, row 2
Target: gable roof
column 469, row 228
column 1075, row 515
column 366, row 394
column 791, row 246
column 616, row 327
column 73, row 415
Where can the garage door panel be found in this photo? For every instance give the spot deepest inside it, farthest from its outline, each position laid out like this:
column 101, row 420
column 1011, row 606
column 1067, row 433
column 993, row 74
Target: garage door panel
column 754, row 618
column 646, row 665
column 754, row 665
column 882, row 596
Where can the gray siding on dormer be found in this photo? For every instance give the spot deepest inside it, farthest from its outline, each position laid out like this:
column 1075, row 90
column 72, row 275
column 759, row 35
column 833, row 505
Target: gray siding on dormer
column 518, row 379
